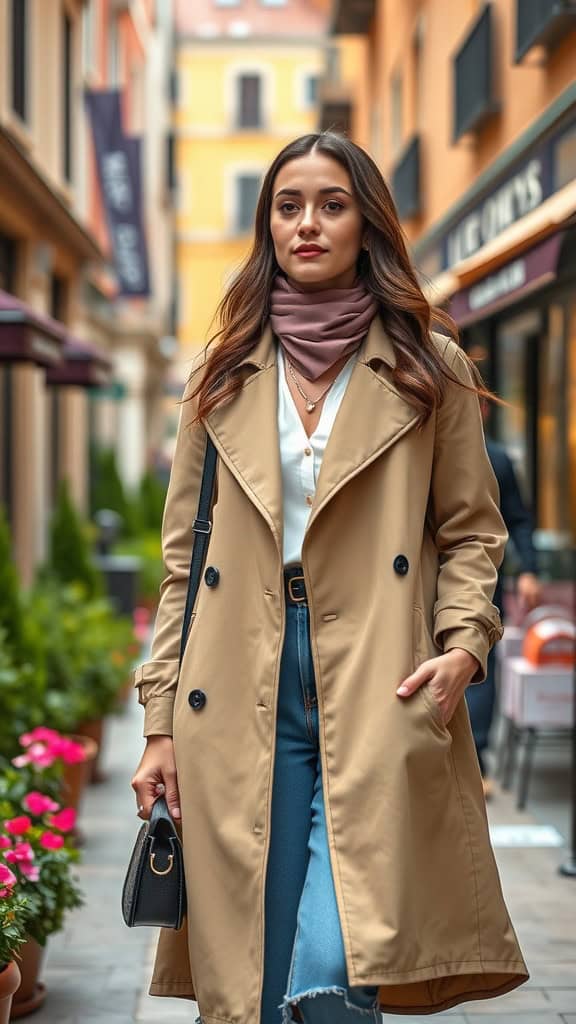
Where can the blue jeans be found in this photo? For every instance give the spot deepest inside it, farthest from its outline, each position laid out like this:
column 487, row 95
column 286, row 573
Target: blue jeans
column 304, row 960
column 481, row 700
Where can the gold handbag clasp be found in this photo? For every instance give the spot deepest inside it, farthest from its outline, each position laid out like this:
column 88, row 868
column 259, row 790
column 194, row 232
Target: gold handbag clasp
column 167, row 870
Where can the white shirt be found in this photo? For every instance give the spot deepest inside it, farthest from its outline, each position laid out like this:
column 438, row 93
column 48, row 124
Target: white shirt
column 301, row 456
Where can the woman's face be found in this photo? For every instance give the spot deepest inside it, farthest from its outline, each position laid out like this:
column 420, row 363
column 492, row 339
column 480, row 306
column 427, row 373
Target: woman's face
column 313, row 205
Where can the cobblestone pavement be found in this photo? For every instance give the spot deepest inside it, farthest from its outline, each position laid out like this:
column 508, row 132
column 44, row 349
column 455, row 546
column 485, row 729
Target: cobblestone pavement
column 97, row 971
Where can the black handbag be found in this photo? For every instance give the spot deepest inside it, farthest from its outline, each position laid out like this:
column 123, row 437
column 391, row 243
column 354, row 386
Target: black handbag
column 154, row 890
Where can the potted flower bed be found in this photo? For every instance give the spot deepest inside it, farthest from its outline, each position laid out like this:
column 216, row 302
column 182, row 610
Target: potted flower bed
column 13, row 917
column 36, row 845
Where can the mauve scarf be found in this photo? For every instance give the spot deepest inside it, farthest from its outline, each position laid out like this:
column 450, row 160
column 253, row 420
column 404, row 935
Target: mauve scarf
column 318, row 328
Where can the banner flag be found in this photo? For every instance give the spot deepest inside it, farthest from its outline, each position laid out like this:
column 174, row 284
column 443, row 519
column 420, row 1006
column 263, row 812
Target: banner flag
column 119, row 171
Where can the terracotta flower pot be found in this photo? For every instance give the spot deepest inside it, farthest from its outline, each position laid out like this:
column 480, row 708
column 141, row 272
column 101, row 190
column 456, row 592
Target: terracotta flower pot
column 76, row 776
column 9, row 982
column 94, row 728
column 31, row 993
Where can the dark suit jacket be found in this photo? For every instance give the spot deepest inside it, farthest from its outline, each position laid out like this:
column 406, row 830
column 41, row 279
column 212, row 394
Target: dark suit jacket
column 514, row 512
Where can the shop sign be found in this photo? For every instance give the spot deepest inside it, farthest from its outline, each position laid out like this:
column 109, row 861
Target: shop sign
column 508, row 283
column 518, row 196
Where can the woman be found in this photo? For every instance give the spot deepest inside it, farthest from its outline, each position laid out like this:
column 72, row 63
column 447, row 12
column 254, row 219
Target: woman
column 337, row 856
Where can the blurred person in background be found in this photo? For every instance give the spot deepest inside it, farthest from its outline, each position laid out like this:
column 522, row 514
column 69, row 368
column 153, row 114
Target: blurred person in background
column 517, row 517
column 315, row 745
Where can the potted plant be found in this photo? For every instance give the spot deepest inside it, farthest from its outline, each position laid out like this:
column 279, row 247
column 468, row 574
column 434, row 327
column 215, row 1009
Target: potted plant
column 36, row 846
column 13, row 917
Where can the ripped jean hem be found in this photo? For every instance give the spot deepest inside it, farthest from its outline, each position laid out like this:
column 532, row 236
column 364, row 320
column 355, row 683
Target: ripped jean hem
column 289, row 1001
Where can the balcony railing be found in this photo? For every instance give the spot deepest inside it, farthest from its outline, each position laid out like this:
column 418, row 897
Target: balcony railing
column 542, row 22
column 353, row 17
column 406, row 181
column 474, row 101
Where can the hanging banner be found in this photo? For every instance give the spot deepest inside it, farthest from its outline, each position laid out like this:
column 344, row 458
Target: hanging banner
column 118, row 162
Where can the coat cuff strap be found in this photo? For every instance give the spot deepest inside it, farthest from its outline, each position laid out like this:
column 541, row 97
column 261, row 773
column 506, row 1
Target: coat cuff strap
column 472, row 640
column 158, row 715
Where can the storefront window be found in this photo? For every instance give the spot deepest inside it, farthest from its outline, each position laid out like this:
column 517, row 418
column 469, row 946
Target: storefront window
column 552, row 415
column 571, row 420
column 516, row 350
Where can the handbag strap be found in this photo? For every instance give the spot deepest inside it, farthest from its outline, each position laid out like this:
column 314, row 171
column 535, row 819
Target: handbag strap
column 202, row 527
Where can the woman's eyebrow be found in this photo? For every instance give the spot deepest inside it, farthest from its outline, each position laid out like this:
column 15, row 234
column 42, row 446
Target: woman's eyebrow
column 321, row 191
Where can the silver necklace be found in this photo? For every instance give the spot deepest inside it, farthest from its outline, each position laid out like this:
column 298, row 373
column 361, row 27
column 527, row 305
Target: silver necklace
column 311, row 403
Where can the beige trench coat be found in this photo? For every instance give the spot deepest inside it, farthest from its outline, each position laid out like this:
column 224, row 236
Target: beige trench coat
column 417, row 887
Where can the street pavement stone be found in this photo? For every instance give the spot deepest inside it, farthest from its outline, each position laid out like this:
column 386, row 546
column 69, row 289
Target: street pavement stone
column 97, row 971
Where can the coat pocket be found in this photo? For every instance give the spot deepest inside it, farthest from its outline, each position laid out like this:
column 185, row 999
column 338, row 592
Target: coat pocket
column 424, row 648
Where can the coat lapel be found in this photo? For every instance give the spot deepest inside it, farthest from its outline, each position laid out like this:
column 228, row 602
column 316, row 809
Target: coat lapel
column 245, row 432
column 371, row 417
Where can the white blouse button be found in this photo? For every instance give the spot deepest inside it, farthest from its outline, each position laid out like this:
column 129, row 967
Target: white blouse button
column 307, row 451
column 309, row 499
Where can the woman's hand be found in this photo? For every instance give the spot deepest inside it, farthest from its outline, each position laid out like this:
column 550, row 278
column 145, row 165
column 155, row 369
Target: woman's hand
column 156, row 774
column 447, row 676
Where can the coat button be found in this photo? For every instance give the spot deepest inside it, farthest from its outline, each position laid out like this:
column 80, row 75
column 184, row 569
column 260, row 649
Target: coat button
column 197, row 699
column 401, row 565
column 212, row 576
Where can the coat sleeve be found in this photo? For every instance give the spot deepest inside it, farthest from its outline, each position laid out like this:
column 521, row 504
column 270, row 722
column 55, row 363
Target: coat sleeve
column 468, row 528
column 157, row 678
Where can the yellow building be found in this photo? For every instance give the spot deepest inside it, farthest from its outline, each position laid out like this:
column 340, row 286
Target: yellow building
column 247, row 84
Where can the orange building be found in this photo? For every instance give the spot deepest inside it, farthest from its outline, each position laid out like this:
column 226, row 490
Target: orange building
column 470, row 110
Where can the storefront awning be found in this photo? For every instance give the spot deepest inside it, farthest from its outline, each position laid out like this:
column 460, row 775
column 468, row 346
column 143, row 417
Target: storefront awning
column 82, row 365
column 517, row 278
column 28, row 336
column 31, row 337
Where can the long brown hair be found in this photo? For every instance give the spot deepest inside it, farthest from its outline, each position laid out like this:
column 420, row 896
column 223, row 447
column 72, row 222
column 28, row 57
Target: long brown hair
column 386, row 269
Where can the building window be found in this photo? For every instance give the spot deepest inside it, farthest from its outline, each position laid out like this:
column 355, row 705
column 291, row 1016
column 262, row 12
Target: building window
column 89, row 37
column 249, row 113
column 67, row 72
column 406, row 180
column 418, row 75
column 396, row 112
column 474, row 99
column 6, row 439
column 273, row 3
column 8, row 255
column 247, row 190
column 19, row 48
column 541, row 23
column 311, row 90
column 114, row 54
column 227, row 3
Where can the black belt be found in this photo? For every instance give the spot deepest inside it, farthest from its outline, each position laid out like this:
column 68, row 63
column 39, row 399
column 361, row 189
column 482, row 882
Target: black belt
column 294, row 586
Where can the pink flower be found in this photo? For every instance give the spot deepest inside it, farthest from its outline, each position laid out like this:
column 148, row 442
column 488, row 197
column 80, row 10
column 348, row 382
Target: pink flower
column 5, row 892
column 21, row 854
column 30, row 871
column 50, row 841
column 64, row 821
column 70, row 751
column 21, row 760
column 42, row 733
column 17, row 826
column 7, row 877
column 37, row 754
column 38, row 803
column 41, row 755
column 5, row 843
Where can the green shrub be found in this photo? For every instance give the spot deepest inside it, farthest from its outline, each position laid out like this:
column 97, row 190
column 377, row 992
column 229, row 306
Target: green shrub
column 152, row 498
column 148, row 548
column 70, row 558
column 107, row 491
column 86, row 652
column 11, row 611
column 22, row 698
